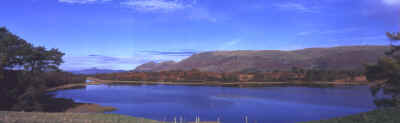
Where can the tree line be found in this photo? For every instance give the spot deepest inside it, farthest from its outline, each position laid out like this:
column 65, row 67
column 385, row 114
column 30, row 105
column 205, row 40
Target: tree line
column 386, row 74
column 26, row 71
column 295, row 75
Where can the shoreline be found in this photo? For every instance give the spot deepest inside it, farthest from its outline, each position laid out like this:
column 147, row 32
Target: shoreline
column 78, row 107
column 90, row 108
column 95, row 81
column 233, row 84
column 95, row 108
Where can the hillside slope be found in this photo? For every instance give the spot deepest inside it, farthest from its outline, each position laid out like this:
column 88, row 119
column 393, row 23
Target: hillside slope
column 335, row 58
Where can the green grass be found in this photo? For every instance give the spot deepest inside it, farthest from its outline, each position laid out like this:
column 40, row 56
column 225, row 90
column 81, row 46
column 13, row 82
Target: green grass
column 389, row 115
column 40, row 117
column 35, row 117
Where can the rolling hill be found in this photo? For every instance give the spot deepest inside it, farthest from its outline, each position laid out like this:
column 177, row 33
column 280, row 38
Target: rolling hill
column 335, row 58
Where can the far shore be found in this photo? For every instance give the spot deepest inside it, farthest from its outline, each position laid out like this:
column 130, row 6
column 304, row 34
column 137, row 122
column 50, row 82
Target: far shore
column 95, row 81
column 231, row 84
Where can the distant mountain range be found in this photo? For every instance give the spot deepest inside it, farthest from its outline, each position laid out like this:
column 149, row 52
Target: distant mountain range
column 93, row 71
column 335, row 58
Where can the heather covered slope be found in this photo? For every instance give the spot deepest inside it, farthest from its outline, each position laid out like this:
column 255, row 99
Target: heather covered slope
column 335, row 58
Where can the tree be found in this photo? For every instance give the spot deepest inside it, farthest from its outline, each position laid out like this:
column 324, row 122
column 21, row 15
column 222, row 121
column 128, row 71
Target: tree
column 12, row 50
column 16, row 53
column 41, row 60
column 387, row 73
column 22, row 67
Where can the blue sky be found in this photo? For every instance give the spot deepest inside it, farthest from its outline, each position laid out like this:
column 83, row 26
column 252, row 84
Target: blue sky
column 122, row 34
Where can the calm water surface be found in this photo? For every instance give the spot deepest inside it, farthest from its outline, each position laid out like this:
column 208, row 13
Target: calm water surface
column 261, row 105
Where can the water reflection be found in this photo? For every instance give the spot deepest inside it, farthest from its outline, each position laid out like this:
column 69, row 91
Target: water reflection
column 267, row 104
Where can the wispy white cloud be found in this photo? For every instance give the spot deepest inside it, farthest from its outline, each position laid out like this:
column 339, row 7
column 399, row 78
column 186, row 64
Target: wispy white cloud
column 298, row 7
column 233, row 42
column 185, row 52
column 362, row 38
column 329, row 31
column 123, row 63
column 98, row 61
column 158, row 5
column 304, row 33
column 378, row 8
column 344, row 36
column 82, row 1
column 191, row 11
column 230, row 45
column 391, row 2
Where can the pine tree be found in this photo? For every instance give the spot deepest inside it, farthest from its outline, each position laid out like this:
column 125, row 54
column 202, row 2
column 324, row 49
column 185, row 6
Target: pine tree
column 387, row 73
column 21, row 68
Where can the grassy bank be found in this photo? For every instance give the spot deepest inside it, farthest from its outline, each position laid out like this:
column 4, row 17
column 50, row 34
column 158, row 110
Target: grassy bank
column 89, row 108
column 39, row 117
column 68, row 86
column 389, row 115
column 68, row 105
column 36, row 117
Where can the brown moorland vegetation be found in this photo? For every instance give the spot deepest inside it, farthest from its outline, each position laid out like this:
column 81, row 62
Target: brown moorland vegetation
column 295, row 75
